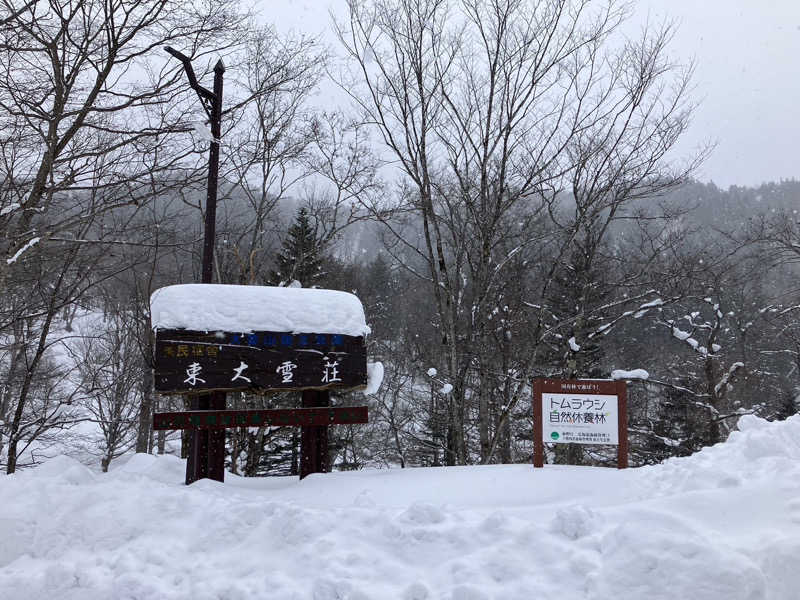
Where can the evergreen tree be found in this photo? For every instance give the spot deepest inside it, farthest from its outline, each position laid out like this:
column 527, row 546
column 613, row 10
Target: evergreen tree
column 300, row 257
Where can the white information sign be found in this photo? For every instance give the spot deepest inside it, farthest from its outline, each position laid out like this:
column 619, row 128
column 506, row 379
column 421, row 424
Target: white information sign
column 580, row 419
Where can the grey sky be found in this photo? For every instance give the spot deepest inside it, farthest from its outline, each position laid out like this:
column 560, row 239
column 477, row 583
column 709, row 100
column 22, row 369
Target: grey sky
column 747, row 55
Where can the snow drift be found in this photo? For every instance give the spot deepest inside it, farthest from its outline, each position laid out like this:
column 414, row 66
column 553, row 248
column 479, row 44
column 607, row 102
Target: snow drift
column 723, row 524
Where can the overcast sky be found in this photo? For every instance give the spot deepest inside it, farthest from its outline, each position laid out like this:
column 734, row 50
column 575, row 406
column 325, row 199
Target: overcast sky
column 747, row 55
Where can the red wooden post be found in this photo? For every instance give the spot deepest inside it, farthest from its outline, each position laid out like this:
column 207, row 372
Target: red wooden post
column 314, row 439
column 207, row 451
column 538, row 443
column 196, row 462
column 622, row 409
column 216, row 441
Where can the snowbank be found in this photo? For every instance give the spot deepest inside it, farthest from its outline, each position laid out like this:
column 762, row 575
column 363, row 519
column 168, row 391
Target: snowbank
column 243, row 308
column 724, row 523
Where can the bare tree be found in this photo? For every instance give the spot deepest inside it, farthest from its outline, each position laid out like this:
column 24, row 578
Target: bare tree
column 85, row 103
column 492, row 110
column 266, row 146
column 93, row 122
column 109, row 375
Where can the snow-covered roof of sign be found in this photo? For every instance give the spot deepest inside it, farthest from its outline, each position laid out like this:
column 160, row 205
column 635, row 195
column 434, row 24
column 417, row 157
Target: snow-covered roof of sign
column 243, row 308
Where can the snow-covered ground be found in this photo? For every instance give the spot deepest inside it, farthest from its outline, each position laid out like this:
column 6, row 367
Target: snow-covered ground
column 721, row 525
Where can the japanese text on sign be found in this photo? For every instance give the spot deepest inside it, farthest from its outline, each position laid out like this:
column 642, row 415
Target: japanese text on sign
column 196, row 361
column 576, row 418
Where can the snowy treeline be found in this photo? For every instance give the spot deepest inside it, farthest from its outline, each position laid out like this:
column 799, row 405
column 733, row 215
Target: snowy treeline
column 500, row 190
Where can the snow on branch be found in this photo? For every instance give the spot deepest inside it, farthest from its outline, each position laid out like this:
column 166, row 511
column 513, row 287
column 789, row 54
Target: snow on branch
column 638, row 313
column 7, row 209
column 726, row 378
column 22, row 250
column 685, row 336
column 634, row 374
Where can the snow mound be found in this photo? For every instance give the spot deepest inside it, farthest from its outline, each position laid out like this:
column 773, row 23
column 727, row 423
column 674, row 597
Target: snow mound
column 760, row 450
column 64, row 469
column 164, row 468
column 724, row 523
column 243, row 308
column 670, row 555
column 575, row 522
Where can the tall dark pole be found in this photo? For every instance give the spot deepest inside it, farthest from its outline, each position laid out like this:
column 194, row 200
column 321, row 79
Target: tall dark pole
column 213, row 174
column 207, row 449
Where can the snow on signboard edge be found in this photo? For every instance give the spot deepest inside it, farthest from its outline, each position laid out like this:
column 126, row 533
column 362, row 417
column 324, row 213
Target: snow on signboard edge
column 374, row 377
column 244, row 308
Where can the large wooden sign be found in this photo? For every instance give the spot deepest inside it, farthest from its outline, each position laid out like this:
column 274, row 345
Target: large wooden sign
column 199, row 361
column 580, row 411
column 276, row 417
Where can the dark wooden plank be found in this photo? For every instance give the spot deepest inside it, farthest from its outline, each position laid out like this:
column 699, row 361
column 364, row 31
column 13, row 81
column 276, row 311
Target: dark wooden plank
column 197, row 460
column 314, row 439
column 199, row 361
column 216, row 441
column 276, row 417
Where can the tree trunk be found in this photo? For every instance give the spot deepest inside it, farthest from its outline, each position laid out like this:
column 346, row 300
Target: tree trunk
column 145, row 412
column 484, row 416
column 503, row 426
column 22, row 400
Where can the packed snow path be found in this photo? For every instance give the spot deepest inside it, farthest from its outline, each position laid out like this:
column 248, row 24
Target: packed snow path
column 723, row 524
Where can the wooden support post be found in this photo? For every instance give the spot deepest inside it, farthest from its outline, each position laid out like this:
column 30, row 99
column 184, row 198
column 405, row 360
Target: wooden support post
column 538, row 443
column 206, row 448
column 314, row 439
column 216, row 441
column 197, row 461
column 622, row 410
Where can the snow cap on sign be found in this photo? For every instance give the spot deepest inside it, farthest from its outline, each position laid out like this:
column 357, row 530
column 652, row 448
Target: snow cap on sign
column 243, row 308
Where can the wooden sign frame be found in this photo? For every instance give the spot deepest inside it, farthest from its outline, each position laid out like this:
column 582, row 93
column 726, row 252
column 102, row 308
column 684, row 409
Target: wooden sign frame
column 585, row 387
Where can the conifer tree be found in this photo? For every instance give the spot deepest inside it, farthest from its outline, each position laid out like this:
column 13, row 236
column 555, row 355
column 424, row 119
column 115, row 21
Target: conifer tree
column 299, row 258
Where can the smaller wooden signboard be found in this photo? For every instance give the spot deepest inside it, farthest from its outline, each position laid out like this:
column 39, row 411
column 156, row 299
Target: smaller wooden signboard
column 580, row 411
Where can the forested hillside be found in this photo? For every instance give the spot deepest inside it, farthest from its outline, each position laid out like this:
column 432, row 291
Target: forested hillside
column 501, row 190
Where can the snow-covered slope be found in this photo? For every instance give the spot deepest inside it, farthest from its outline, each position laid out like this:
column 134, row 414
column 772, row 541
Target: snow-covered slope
column 721, row 525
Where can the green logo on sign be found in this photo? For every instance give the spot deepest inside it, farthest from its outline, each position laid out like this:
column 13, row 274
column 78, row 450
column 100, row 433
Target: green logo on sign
column 554, row 435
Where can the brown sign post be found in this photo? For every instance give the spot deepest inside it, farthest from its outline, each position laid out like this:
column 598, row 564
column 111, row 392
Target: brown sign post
column 582, row 411
column 206, row 364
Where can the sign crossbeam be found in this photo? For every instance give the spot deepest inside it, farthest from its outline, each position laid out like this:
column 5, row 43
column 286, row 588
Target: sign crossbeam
column 277, row 417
